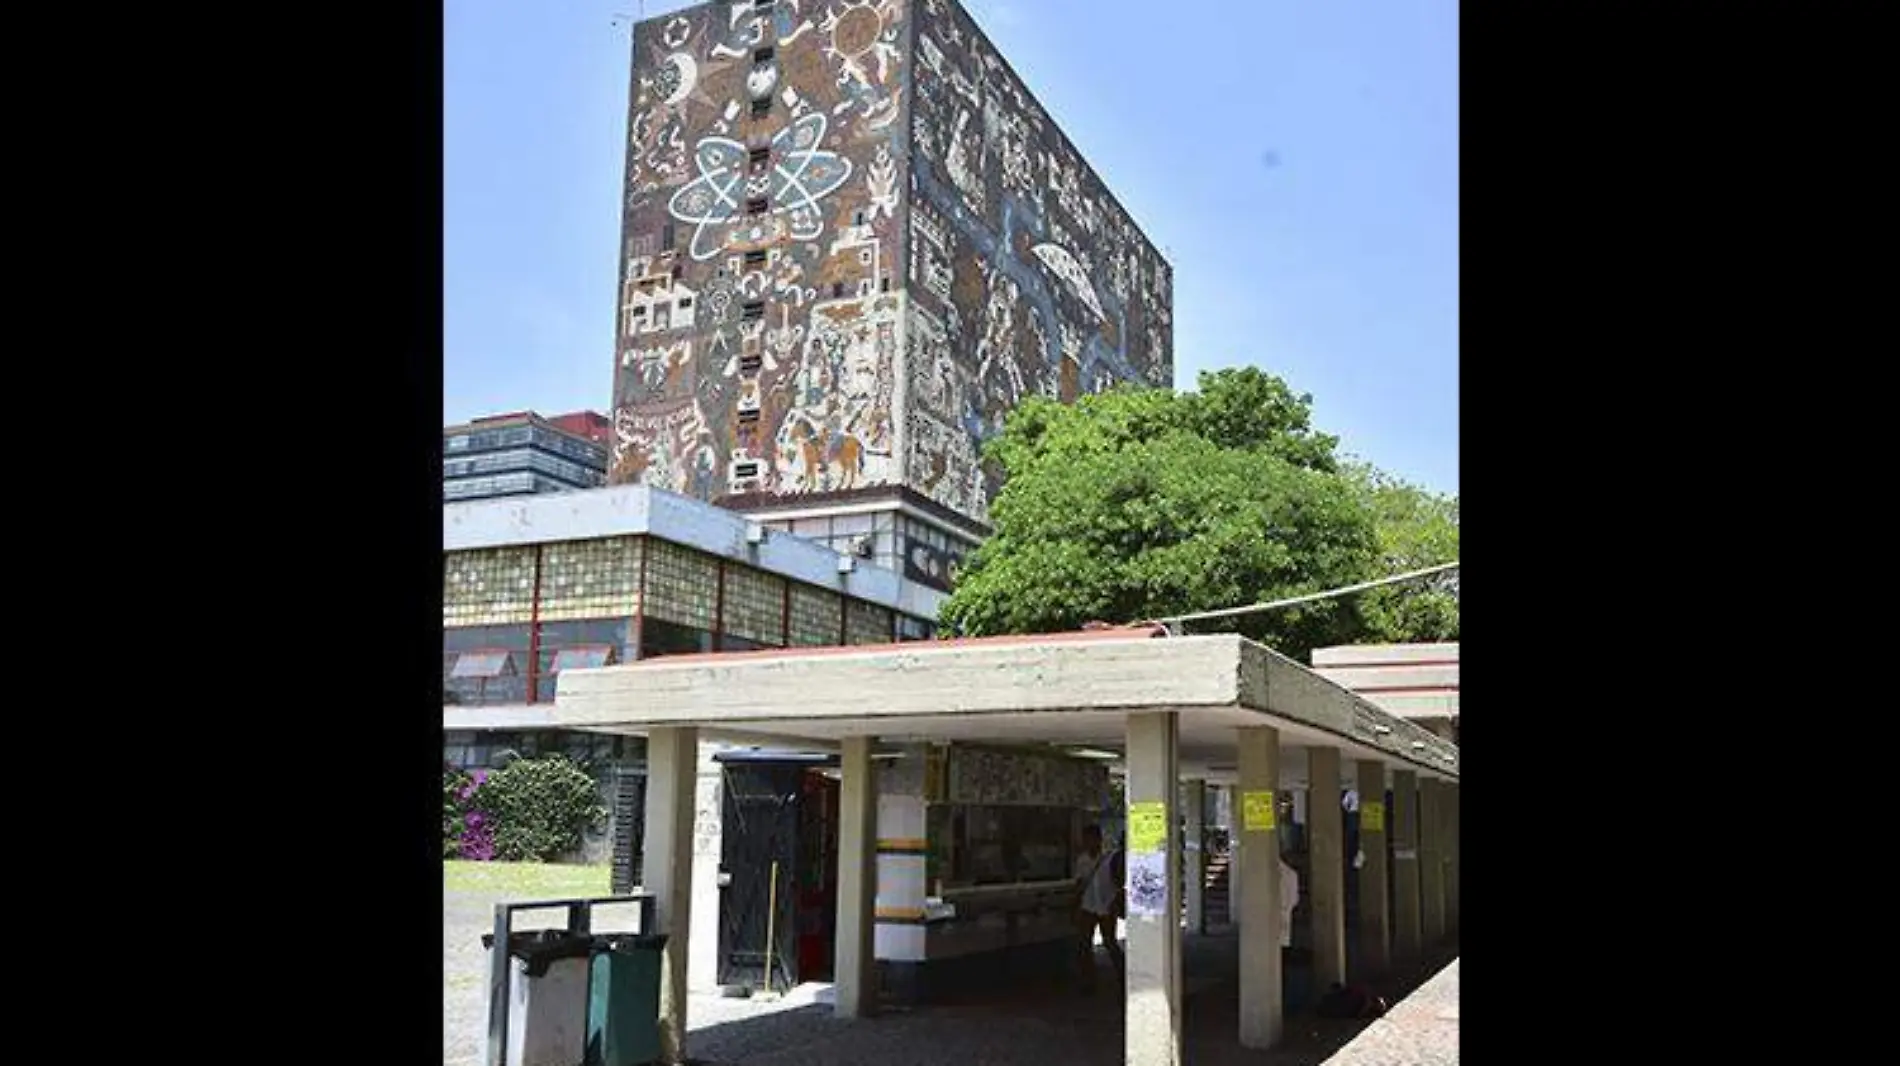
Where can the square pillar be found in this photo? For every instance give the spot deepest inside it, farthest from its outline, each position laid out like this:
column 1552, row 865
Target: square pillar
column 1375, row 901
column 1326, row 877
column 1450, row 797
column 1195, row 847
column 1431, row 859
column 667, row 870
column 855, row 962
column 1408, row 938
column 1153, row 888
column 1257, row 889
column 709, row 816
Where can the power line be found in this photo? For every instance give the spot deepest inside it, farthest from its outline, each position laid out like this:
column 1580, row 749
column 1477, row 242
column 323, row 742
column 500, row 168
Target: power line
column 1173, row 621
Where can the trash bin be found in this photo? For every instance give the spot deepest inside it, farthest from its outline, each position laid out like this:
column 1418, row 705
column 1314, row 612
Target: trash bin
column 547, row 997
column 623, row 1003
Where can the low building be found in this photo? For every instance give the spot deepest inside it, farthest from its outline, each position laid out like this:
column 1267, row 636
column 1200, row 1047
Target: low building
column 534, row 585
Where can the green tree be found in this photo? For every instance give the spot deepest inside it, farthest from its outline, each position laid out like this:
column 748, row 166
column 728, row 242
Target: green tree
column 1417, row 528
column 1144, row 503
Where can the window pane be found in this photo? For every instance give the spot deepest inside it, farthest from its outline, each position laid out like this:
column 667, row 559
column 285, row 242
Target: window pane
column 850, row 523
column 490, row 586
column 582, row 658
column 815, row 619
column 755, row 605
column 867, row 623
column 681, row 585
column 591, row 578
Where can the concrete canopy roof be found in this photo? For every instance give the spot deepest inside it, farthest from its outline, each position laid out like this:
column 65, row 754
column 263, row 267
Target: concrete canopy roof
column 1073, row 689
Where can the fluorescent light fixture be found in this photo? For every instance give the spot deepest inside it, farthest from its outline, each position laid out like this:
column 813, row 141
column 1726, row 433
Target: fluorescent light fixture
column 1094, row 753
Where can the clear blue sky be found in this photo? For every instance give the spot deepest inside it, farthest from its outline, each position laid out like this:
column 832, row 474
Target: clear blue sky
column 1296, row 159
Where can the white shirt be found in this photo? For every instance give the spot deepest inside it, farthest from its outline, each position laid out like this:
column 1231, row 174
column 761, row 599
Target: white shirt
column 1098, row 882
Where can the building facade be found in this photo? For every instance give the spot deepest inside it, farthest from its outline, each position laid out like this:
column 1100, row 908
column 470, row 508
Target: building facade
column 852, row 242
column 522, row 453
column 538, row 584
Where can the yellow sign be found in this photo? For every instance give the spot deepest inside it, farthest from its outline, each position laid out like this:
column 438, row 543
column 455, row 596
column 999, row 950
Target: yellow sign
column 1256, row 810
column 1147, row 826
column 1372, row 817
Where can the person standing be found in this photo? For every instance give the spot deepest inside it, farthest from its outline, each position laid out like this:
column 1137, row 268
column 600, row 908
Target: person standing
column 1099, row 876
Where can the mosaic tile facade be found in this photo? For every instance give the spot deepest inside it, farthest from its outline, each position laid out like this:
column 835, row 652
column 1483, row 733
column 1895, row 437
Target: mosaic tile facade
column 851, row 242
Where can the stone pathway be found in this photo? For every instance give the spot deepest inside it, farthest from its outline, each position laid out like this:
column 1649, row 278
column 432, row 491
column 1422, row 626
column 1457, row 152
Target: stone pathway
column 1421, row 1030
column 1049, row 1026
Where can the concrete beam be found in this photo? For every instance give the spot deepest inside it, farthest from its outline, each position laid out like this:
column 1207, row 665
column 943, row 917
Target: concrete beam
column 855, row 960
column 1375, row 898
column 1408, row 937
column 1257, row 890
column 1222, row 680
column 1153, row 1006
column 667, row 870
column 1326, row 868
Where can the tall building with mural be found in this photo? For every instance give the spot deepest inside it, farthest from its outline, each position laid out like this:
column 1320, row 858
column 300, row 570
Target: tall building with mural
column 852, row 242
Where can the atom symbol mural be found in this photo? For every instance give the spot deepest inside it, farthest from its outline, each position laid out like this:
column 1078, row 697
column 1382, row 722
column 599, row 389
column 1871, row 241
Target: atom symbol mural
column 802, row 174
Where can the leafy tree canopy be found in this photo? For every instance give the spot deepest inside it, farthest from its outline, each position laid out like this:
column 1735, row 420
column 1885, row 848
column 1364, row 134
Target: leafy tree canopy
column 1142, row 503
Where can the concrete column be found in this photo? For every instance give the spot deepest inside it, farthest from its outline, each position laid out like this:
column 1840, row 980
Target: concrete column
column 1431, row 860
column 1326, row 875
column 1375, row 902
column 667, row 870
column 1154, row 934
column 1408, row 938
column 1451, row 858
column 1196, row 865
column 709, row 798
column 855, row 961
column 1257, row 898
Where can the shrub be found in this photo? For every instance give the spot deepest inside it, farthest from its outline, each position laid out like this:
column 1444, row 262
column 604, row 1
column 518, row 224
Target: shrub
column 533, row 809
column 453, row 782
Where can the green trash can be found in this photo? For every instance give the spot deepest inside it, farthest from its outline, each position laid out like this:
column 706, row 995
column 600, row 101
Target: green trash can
column 623, row 1000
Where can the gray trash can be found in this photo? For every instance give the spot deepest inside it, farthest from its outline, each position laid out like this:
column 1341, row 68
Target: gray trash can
column 547, row 997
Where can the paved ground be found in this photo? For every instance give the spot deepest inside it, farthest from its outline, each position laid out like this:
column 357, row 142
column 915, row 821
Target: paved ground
column 1421, row 1030
column 1045, row 1026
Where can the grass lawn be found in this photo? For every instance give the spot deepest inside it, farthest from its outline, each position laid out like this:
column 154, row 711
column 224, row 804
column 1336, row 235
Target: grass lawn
column 526, row 880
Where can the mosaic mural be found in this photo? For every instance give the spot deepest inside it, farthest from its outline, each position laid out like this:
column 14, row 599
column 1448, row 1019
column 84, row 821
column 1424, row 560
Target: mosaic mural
column 762, row 305
column 1026, row 277
column 852, row 242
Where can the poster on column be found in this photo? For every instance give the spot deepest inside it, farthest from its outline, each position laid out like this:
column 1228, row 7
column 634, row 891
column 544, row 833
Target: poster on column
column 1257, row 811
column 1147, row 884
column 1372, row 817
column 1147, row 826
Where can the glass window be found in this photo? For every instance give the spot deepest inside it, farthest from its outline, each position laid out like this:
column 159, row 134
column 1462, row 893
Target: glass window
column 867, row 623
column 1004, row 845
column 850, row 523
column 815, row 528
column 584, row 657
column 488, row 586
column 681, row 585
column 613, row 634
column 591, row 578
column 816, row 621
column 659, row 637
column 754, row 607
column 483, row 664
